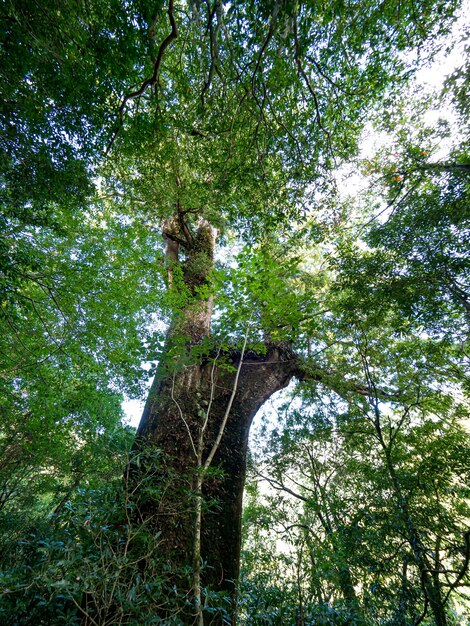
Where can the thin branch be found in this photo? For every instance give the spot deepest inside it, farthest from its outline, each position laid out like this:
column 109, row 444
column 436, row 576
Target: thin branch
column 84, row 612
column 392, row 205
column 464, row 567
column 425, row 611
column 149, row 82
column 272, row 25
column 182, row 416
column 305, row 77
column 214, row 46
column 325, row 76
column 309, row 86
column 211, row 398
column 215, row 447
column 445, row 167
column 280, row 486
column 343, row 387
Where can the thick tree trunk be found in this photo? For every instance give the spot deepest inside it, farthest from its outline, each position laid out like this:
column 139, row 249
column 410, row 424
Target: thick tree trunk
column 177, row 405
column 198, row 414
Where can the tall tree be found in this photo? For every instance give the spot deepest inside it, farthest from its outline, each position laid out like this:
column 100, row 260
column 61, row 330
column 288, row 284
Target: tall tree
column 218, row 122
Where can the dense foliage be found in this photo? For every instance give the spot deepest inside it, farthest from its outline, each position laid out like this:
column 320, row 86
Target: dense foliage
column 115, row 117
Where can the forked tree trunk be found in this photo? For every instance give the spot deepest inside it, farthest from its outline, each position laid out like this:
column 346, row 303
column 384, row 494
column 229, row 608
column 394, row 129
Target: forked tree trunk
column 182, row 399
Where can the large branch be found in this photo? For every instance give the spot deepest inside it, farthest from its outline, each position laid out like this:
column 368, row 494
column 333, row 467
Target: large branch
column 296, row 367
column 341, row 386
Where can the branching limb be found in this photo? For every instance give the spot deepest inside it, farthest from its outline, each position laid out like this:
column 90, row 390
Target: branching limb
column 149, row 82
column 464, row 568
column 269, row 36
